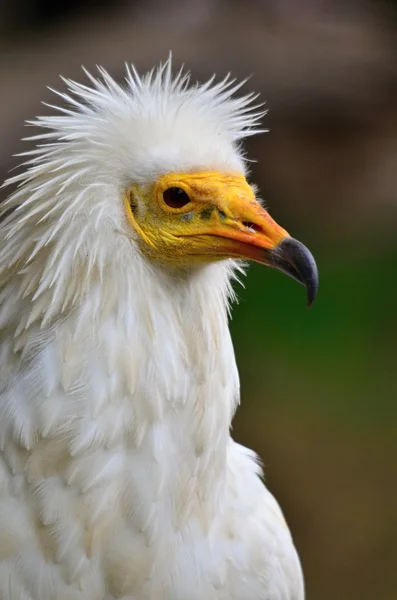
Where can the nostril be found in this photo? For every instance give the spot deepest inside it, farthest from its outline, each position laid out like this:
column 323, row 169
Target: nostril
column 252, row 226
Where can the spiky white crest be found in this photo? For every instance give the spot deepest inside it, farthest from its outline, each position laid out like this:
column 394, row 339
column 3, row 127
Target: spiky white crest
column 149, row 126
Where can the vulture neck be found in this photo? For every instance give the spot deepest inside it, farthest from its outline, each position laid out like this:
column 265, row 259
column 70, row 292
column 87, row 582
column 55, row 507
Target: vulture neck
column 163, row 384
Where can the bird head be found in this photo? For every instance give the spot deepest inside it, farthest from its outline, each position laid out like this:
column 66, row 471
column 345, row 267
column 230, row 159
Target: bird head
column 206, row 216
column 155, row 164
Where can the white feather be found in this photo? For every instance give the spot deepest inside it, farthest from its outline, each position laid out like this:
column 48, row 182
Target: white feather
column 118, row 476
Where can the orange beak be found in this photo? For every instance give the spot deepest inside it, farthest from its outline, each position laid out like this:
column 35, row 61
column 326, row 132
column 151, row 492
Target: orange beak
column 229, row 222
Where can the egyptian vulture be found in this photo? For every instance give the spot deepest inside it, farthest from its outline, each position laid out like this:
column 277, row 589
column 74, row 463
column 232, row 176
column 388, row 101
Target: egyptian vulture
column 119, row 246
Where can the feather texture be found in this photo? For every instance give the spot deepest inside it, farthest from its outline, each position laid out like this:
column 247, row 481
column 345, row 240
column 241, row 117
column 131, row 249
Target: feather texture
column 118, row 476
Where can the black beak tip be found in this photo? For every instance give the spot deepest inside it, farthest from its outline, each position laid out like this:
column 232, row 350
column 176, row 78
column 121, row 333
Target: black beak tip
column 311, row 295
column 294, row 259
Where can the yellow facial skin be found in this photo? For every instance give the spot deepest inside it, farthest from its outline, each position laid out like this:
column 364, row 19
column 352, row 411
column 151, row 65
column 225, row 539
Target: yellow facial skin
column 213, row 216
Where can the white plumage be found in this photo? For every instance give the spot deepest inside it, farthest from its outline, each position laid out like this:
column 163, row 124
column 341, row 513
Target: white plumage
column 118, row 382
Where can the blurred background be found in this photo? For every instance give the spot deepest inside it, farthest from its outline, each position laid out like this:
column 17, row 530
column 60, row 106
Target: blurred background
column 319, row 387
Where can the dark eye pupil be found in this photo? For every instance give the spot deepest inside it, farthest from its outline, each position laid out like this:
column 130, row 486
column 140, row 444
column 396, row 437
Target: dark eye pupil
column 175, row 197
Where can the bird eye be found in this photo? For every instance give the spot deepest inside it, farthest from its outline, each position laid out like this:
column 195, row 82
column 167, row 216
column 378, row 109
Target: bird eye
column 175, row 197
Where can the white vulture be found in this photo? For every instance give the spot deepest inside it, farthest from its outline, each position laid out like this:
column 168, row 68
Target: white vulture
column 118, row 246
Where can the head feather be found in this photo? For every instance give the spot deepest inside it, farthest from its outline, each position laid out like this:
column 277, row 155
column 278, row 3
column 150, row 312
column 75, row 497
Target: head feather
column 66, row 215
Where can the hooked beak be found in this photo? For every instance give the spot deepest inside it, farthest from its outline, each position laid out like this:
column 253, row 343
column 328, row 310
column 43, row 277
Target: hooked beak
column 215, row 216
column 288, row 256
column 240, row 227
column 294, row 259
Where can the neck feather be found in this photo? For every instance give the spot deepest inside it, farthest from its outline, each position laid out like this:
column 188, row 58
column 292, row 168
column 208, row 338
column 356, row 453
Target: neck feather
column 140, row 375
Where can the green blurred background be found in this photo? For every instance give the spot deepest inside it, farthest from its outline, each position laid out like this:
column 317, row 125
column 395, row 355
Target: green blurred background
column 319, row 386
